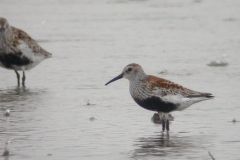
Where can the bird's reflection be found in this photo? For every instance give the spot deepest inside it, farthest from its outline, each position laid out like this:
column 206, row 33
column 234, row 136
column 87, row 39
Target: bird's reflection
column 13, row 94
column 163, row 144
column 6, row 158
column 14, row 97
column 152, row 145
column 22, row 102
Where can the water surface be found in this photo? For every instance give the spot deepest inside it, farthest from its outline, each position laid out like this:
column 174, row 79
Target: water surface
column 91, row 42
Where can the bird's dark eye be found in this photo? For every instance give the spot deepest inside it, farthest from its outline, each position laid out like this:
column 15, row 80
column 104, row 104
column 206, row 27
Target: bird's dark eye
column 129, row 69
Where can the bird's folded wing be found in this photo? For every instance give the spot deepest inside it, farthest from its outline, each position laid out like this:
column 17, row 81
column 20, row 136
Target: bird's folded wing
column 170, row 88
column 23, row 36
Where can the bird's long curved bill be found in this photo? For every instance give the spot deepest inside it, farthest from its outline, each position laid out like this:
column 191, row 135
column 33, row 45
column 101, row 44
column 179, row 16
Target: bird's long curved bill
column 114, row 79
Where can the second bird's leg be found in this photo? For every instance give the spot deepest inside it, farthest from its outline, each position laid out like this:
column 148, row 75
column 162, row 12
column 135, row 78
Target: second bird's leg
column 167, row 122
column 23, row 79
column 161, row 116
column 167, row 125
column 163, row 122
column 18, row 77
column 163, row 125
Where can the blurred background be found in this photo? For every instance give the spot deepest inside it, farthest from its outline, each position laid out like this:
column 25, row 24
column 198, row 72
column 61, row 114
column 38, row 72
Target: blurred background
column 66, row 112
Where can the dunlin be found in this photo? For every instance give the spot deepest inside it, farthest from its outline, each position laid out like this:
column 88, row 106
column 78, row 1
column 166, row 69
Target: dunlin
column 158, row 94
column 18, row 51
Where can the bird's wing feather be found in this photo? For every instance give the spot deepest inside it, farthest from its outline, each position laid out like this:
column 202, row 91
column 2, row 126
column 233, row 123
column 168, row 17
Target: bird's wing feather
column 23, row 36
column 167, row 87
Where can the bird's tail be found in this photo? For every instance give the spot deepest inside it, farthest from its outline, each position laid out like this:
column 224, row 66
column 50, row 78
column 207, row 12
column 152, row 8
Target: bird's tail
column 48, row 55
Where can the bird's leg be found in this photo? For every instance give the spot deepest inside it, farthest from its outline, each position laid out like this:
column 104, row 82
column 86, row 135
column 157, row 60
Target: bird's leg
column 162, row 120
column 167, row 125
column 163, row 125
column 167, row 122
column 23, row 79
column 18, row 77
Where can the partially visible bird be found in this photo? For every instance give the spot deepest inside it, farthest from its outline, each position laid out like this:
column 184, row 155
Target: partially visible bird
column 18, row 51
column 158, row 94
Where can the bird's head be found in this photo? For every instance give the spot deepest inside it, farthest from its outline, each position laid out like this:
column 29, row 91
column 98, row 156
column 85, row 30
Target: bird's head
column 4, row 28
column 131, row 72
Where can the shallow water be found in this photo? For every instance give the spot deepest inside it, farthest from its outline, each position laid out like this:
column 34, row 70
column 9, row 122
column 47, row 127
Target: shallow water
column 91, row 42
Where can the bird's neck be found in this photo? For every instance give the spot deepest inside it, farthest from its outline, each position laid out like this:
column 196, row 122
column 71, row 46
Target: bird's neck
column 137, row 81
column 6, row 39
column 7, row 36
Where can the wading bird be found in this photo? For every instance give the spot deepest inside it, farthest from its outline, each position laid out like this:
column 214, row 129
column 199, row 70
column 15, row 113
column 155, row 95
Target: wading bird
column 18, row 51
column 158, row 94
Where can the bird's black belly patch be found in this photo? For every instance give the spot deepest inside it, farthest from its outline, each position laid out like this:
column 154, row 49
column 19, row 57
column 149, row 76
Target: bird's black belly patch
column 156, row 104
column 14, row 59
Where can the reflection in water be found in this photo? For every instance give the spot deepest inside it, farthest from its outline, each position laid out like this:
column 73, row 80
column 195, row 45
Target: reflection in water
column 18, row 99
column 14, row 94
column 152, row 145
column 6, row 158
column 10, row 98
column 165, row 144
